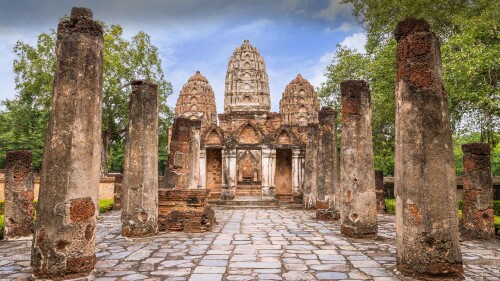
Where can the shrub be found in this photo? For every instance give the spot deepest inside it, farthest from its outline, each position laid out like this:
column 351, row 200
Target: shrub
column 496, row 207
column 390, row 206
column 1, row 208
column 461, row 205
column 1, row 226
column 106, row 205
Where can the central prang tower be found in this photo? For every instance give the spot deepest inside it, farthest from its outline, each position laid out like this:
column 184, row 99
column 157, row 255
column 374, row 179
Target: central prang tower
column 247, row 84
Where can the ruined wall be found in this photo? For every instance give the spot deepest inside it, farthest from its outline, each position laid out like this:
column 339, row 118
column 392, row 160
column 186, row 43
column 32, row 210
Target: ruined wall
column 184, row 154
column 64, row 238
column 477, row 212
column 426, row 226
column 19, row 206
column 185, row 210
column 357, row 183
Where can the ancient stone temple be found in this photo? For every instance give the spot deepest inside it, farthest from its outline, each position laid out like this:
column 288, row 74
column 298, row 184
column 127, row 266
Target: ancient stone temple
column 250, row 154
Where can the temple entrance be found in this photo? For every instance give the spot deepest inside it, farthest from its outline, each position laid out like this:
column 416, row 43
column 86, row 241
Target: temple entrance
column 248, row 173
column 283, row 175
column 214, row 171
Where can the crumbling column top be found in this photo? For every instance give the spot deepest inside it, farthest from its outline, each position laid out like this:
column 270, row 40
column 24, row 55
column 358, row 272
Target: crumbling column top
column 18, row 157
column 476, row 148
column 409, row 26
column 143, row 81
column 80, row 12
column 353, row 88
column 326, row 112
column 80, row 22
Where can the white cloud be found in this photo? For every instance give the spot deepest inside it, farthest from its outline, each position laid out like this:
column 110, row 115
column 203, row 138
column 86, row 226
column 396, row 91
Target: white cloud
column 356, row 41
column 252, row 27
column 319, row 69
column 344, row 27
column 333, row 11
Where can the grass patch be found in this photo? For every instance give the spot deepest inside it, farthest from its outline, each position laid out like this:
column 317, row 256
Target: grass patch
column 390, row 206
column 106, row 205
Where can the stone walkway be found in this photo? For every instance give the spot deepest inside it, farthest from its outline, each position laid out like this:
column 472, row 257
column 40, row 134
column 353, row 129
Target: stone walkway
column 251, row 244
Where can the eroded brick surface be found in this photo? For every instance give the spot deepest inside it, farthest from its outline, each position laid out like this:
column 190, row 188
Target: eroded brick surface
column 185, row 210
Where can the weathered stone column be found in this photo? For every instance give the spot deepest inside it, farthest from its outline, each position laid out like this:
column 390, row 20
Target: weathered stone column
column 311, row 166
column 194, row 154
column 426, row 206
column 140, row 173
column 380, row 191
column 357, row 183
column 266, row 151
column 272, row 172
column 477, row 212
column 64, row 239
column 117, row 192
column 295, row 171
column 19, row 195
column 228, row 191
column 327, row 165
column 203, row 169
column 183, row 156
column 231, row 160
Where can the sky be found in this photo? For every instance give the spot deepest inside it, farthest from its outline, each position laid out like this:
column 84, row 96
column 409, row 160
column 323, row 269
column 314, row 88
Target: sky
column 293, row 36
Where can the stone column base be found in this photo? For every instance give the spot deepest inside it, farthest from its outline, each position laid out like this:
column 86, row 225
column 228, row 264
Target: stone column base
column 268, row 192
column 227, row 192
column 89, row 277
column 327, row 214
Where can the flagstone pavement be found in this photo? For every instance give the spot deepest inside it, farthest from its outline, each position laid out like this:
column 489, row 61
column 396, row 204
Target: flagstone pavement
column 252, row 244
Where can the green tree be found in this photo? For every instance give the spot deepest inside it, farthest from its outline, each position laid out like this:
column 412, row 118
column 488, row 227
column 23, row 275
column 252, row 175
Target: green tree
column 123, row 61
column 468, row 31
column 26, row 116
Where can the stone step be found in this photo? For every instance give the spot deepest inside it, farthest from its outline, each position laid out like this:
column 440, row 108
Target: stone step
column 248, row 202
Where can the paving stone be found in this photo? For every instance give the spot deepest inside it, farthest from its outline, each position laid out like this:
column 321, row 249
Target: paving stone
column 213, row 256
column 209, row 269
column 255, row 264
column 331, row 275
column 205, row 277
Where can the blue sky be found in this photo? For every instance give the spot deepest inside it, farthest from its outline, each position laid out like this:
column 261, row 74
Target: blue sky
column 293, row 36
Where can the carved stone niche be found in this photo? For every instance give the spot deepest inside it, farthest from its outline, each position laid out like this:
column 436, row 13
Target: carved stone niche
column 248, row 163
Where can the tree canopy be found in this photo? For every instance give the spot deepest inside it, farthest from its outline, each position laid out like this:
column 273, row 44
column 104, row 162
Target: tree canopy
column 469, row 34
column 24, row 120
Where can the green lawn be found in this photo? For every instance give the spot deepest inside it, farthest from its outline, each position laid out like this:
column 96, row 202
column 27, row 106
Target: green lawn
column 104, row 206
